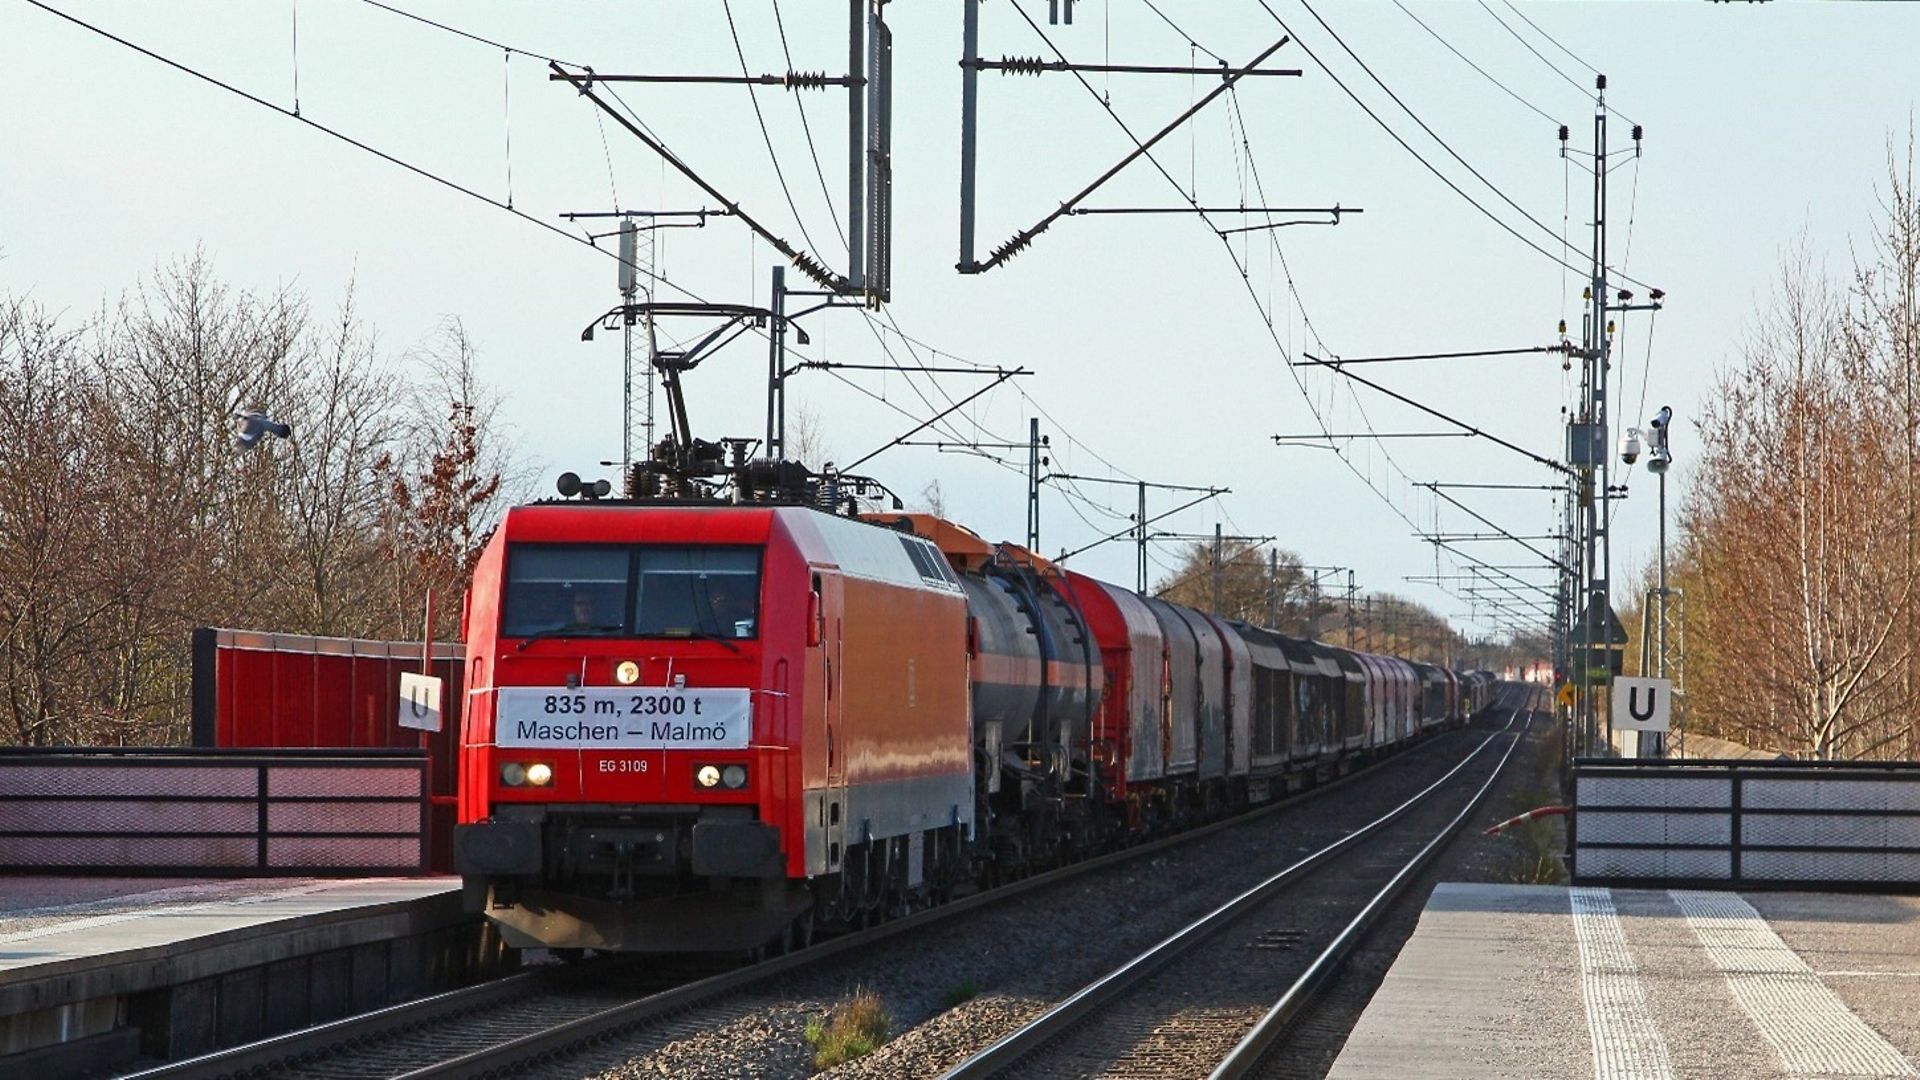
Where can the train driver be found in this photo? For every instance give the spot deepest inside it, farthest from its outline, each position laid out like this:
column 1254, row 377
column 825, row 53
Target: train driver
column 583, row 609
column 732, row 611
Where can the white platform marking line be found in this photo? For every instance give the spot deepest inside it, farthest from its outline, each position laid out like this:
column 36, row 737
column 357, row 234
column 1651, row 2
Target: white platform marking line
column 178, row 909
column 1807, row 1024
column 1626, row 1043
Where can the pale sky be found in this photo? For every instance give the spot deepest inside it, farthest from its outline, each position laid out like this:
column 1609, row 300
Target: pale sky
column 1151, row 355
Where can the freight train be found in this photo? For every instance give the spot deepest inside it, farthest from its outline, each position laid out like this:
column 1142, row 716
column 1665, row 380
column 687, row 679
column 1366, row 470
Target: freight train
column 711, row 725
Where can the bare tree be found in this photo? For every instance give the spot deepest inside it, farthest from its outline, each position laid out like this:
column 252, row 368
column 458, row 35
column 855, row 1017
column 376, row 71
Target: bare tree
column 807, row 437
column 1268, row 589
column 445, row 488
column 934, row 499
column 127, row 516
column 1797, row 530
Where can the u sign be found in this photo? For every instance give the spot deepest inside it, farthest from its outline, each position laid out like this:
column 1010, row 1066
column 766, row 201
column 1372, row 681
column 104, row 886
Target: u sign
column 1642, row 704
column 419, row 701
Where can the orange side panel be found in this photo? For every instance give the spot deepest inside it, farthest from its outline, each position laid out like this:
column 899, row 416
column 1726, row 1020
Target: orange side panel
column 905, row 681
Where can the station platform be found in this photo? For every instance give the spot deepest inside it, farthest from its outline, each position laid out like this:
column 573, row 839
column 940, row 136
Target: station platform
column 1547, row 982
column 97, row 973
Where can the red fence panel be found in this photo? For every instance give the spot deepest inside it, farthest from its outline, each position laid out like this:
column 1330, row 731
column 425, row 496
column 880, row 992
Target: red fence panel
column 175, row 811
column 257, row 690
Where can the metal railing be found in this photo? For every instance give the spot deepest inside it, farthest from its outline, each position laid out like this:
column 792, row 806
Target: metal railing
column 1746, row 824
column 200, row 812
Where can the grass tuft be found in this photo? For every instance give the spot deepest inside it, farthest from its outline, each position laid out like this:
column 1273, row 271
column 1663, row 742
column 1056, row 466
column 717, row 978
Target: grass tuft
column 855, row 1028
column 961, row 994
column 1533, row 857
column 1533, row 848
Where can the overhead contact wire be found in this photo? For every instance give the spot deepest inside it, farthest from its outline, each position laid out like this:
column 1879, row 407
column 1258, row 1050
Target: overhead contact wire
column 383, row 155
column 1509, row 91
column 1430, row 167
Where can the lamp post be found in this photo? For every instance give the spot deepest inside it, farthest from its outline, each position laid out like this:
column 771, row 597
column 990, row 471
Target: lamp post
column 1658, row 458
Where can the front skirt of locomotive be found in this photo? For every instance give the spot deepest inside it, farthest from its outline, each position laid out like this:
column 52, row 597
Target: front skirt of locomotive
column 701, row 922
column 730, row 888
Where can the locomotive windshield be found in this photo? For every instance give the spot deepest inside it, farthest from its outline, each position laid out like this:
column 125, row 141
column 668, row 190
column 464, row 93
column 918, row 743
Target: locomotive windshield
column 697, row 590
column 604, row 590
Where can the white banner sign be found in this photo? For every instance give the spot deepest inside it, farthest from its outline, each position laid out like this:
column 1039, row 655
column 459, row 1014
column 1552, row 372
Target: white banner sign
column 1642, row 704
column 622, row 718
column 419, row 701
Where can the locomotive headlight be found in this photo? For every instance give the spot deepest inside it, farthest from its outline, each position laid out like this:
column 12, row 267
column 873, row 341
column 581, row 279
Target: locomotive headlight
column 539, row 774
column 707, row 776
column 627, row 673
column 734, row 776
column 513, row 774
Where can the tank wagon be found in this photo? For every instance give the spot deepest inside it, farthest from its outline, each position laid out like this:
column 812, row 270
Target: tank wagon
column 701, row 725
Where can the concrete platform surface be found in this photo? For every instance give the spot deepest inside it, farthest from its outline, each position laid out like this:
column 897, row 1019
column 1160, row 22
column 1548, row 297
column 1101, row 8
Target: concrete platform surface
column 54, row 920
column 1545, row 982
column 97, row 973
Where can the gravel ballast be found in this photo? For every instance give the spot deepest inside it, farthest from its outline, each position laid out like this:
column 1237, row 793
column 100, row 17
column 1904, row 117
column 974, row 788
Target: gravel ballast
column 956, row 986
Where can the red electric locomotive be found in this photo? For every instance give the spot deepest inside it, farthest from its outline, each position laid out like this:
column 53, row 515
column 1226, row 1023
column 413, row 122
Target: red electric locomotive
column 702, row 726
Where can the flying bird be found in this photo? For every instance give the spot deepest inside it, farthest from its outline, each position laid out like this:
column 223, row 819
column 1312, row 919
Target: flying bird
column 256, row 425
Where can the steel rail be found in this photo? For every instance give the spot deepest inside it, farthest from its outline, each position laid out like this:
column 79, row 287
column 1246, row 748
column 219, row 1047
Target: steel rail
column 366, row 1028
column 1247, row 1055
column 1011, row 1049
column 349, row 1030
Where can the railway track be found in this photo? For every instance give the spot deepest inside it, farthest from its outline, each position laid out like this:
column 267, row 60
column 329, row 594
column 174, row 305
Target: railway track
column 1200, row 1000
column 536, row 1018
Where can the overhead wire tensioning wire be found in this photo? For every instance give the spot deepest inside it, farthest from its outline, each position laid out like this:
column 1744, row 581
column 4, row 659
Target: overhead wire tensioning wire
column 1549, row 37
column 766, row 136
column 800, row 104
column 1509, row 91
column 1555, row 68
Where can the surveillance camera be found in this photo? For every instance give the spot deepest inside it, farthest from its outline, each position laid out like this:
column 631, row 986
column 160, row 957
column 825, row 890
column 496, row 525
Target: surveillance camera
column 1665, row 417
column 1630, row 446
